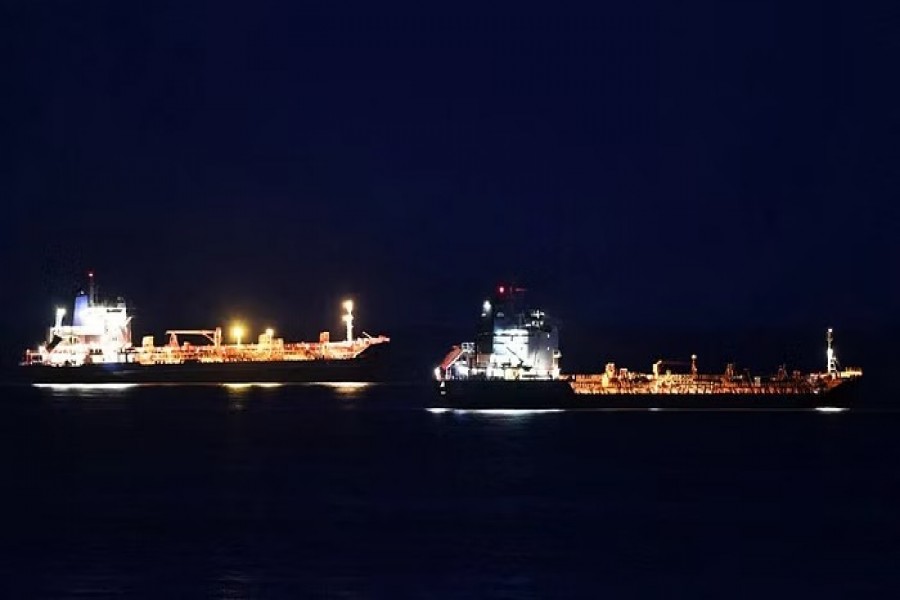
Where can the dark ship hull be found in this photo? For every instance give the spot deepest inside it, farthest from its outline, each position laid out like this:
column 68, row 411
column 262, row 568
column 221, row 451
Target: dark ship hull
column 368, row 367
column 495, row 394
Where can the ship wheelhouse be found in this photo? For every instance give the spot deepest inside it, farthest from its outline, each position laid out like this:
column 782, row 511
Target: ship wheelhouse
column 511, row 342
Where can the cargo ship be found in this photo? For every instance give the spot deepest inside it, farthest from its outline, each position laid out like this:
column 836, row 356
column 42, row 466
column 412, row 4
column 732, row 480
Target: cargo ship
column 96, row 347
column 514, row 363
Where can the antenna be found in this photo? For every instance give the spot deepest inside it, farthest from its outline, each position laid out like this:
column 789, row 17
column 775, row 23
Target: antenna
column 91, row 297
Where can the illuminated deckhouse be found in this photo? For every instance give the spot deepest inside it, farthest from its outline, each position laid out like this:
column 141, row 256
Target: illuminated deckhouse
column 512, row 342
column 100, row 333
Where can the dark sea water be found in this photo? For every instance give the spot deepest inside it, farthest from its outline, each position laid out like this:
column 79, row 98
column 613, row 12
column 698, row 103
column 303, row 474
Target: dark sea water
column 360, row 492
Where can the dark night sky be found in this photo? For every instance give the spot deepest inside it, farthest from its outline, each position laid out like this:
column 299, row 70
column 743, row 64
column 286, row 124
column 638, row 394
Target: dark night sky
column 693, row 164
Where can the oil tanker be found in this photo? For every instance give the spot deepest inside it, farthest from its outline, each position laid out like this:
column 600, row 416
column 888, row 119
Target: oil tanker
column 514, row 363
column 96, row 347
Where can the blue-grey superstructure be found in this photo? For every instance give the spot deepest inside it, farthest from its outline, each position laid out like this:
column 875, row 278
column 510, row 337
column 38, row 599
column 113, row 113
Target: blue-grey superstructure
column 513, row 341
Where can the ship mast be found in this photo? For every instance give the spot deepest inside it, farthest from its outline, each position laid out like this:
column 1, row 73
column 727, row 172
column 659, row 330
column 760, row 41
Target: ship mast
column 91, row 297
column 831, row 365
column 348, row 319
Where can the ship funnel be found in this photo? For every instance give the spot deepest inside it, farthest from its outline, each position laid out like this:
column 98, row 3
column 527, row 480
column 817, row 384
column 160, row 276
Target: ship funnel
column 79, row 317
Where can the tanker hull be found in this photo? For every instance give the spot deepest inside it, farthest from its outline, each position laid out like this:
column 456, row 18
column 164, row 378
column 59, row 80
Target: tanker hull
column 558, row 395
column 368, row 367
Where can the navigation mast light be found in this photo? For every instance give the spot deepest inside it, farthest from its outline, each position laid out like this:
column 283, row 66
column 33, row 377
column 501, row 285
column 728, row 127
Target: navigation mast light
column 237, row 332
column 348, row 319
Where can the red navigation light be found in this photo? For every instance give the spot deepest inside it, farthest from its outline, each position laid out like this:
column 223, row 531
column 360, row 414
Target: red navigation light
column 502, row 289
column 90, row 273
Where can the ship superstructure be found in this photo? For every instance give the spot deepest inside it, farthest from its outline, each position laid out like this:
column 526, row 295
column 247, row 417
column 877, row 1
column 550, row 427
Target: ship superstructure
column 520, row 346
column 512, row 342
column 100, row 334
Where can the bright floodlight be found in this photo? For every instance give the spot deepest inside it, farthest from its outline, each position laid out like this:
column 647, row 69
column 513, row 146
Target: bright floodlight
column 237, row 332
column 348, row 305
column 270, row 332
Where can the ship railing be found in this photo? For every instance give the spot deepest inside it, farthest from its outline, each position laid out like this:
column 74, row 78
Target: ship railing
column 33, row 358
column 850, row 372
column 590, row 387
column 639, row 384
column 254, row 352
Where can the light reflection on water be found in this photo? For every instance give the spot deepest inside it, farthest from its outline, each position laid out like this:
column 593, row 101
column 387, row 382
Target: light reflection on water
column 295, row 499
column 239, row 394
column 252, row 384
column 236, row 585
column 346, row 389
column 345, row 386
column 65, row 387
column 88, row 390
column 501, row 412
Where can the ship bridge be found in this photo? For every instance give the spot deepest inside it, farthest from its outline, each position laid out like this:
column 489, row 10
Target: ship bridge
column 512, row 341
